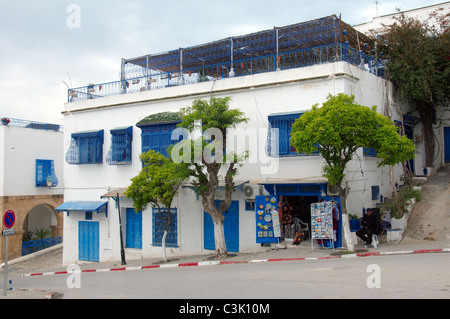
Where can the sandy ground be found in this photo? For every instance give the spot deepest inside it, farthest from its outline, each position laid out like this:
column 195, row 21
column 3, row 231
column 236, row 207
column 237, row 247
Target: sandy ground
column 430, row 218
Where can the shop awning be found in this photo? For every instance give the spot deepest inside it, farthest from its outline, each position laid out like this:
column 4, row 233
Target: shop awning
column 237, row 184
column 113, row 193
column 303, row 180
column 83, row 206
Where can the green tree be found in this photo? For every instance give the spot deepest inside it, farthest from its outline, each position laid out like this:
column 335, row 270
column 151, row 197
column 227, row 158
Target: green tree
column 204, row 153
column 337, row 130
column 418, row 65
column 157, row 184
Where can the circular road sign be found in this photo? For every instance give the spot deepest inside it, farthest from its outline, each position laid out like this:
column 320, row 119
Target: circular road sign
column 9, row 218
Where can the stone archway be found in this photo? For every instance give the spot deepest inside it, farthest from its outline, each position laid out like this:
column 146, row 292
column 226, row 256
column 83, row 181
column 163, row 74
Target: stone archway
column 43, row 205
column 42, row 216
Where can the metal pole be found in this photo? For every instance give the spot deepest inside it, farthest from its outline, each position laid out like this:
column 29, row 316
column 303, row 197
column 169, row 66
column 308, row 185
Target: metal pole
column 122, row 252
column 5, row 274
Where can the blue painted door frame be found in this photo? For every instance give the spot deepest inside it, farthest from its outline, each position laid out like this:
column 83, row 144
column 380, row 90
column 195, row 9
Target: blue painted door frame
column 134, row 229
column 88, row 241
column 230, row 225
column 447, row 144
column 313, row 189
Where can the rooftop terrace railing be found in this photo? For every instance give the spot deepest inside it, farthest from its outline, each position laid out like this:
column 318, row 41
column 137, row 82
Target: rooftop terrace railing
column 8, row 121
column 269, row 63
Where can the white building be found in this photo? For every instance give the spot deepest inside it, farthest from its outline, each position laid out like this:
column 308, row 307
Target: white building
column 31, row 177
column 272, row 76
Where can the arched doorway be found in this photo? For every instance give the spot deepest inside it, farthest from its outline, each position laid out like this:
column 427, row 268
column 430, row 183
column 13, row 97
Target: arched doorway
column 39, row 217
column 41, row 229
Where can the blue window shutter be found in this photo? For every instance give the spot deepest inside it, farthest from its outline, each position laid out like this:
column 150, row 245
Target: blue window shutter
column 282, row 122
column 121, row 142
column 158, row 227
column 86, row 148
column 157, row 137
column 45, row 173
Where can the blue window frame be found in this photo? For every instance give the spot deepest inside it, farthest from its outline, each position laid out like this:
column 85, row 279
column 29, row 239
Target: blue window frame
column 86, row 148
column 375, row 192
column 45, row 173
column 158, row 227
column 279, row 145
column 158, row 137
column 370, row 152
column 120, row 151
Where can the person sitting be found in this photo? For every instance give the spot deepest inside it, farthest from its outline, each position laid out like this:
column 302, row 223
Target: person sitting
column 369, row 225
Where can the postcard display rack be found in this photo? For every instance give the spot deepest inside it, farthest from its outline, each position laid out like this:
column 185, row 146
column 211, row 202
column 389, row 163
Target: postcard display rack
column 268, row 228
column 322, row 223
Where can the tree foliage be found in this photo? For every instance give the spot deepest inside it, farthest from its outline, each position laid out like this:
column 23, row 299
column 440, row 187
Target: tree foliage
column 337, row 129
column 340, row 127
column 418, row 55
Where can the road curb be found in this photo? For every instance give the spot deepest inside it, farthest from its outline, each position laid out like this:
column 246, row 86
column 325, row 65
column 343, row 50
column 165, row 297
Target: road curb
column 216, row 262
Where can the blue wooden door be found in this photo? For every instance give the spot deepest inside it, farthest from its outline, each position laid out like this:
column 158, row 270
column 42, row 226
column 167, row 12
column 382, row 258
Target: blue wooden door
column 134, row 229
column 88, row 241
column 447, row 144
column 230, row 225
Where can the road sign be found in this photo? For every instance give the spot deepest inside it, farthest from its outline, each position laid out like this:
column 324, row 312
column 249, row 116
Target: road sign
column 8, row 232
column 9, row 218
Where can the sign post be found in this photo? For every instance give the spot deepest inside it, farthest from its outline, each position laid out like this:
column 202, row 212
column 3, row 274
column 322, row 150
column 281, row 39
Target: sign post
column 9, row 218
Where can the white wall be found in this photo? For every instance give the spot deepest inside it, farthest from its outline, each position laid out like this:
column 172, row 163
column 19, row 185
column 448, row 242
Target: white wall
column 20, row 149
column 420, row 13
column 257, row 96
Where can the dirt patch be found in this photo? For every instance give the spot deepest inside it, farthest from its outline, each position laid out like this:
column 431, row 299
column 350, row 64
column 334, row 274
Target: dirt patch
column 430, row 218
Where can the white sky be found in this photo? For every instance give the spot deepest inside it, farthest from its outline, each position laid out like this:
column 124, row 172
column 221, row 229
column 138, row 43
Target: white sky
column 38, row 50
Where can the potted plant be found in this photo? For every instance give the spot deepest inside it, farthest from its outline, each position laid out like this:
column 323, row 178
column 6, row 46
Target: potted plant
column 5, row 121
column 354, row 222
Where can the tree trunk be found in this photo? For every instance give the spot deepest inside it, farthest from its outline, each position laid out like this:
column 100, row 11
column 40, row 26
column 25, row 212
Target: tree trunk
column 209, row 205
column 164, row 246
column 345, row 223
column 395, row 192
column 426, row 115
column 219, row 237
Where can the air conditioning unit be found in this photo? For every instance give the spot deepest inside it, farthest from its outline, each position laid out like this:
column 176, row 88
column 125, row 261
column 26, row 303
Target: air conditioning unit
column 332, row 190
column 250, row 191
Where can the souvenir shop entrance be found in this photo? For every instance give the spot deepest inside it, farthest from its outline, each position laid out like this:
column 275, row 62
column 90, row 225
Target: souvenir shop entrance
column 293, row 202
column 295, row 217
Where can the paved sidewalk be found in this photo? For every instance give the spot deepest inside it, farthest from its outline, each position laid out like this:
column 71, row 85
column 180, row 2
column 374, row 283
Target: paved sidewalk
column 51, row 263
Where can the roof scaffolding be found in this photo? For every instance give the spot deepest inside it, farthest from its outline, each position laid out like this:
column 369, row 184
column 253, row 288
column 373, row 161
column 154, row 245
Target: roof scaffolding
column 314, row 33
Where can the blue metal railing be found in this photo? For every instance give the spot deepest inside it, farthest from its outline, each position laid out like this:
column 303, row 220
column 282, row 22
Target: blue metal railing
column 32, row 246
column 269, row 63
column 8, row 121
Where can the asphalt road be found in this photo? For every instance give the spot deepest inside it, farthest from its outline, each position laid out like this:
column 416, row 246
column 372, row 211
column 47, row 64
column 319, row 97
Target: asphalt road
column 402, row 276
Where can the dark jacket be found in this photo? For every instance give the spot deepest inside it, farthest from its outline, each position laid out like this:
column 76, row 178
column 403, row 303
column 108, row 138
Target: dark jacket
column 370, row 221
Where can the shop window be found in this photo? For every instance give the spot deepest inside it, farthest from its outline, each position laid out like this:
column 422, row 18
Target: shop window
column 85, row 148
column 158, row 227
column 121, row 142
column 249, row 205
column 45, row 173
